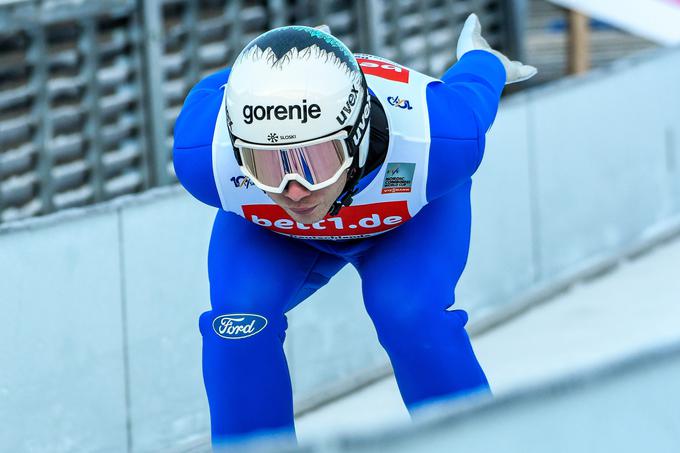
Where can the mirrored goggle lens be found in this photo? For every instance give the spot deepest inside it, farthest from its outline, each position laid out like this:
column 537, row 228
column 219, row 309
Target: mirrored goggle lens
column 315, row 163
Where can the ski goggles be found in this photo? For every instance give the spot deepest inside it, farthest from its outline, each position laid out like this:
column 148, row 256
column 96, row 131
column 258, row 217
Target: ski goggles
column 315, row 164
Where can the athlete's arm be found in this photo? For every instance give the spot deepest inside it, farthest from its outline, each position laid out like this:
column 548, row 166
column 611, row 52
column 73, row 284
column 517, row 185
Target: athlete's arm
column 194, row 128
column 461, row 111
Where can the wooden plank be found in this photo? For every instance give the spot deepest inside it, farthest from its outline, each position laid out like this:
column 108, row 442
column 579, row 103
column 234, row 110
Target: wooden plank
column 578, row 43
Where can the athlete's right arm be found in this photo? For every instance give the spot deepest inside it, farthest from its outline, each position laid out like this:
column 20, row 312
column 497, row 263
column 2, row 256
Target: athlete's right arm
column 194, row 128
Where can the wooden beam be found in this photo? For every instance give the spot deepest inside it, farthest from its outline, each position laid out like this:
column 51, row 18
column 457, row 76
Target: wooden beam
column 578, row 43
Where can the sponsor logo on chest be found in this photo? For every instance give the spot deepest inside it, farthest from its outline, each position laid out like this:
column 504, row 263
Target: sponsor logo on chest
column 398, row 177
column 241, row 181
column 353, row 221
column 399, row 102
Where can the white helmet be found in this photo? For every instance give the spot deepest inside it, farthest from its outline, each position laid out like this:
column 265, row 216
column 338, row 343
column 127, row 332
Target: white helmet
column 297, row 88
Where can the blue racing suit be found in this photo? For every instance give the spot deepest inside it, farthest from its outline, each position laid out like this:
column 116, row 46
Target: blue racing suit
column 247, row 381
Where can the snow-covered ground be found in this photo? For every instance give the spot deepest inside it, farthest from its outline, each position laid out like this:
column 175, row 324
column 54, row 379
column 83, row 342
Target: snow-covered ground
column 633, row 307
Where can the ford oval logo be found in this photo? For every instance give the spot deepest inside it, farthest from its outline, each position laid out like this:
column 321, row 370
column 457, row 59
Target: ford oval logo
column 238, row 325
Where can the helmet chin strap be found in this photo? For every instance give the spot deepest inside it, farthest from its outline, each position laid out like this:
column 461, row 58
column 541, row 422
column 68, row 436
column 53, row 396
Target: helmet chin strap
column 354, row 174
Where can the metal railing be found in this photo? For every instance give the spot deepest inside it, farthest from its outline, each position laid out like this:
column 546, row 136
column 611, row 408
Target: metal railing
column 90, row 90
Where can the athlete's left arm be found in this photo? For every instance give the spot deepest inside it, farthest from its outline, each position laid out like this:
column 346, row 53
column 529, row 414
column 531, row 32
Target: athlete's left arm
column 461, row 111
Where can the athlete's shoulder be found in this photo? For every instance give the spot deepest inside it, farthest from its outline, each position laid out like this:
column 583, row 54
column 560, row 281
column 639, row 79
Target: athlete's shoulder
column 195, row 124
column 451, row 113
column 399, row 86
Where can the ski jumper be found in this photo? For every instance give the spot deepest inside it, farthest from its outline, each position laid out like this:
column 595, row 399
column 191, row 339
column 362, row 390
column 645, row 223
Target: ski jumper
column 407, row 234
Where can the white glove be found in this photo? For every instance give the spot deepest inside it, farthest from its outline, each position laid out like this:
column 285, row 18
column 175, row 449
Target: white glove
column 471, row 39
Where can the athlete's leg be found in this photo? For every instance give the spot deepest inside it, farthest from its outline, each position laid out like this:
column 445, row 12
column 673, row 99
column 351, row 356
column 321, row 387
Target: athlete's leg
column 257, row 272
column 408, row 280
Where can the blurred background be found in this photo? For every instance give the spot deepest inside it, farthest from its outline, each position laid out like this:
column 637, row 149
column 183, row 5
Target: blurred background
column 572, row 281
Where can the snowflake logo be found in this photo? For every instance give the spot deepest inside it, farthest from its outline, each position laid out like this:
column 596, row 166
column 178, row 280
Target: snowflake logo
column 273, row 137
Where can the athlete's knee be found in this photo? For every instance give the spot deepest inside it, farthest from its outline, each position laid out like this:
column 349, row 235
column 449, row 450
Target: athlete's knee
column 399, row 315
column 241, row 325
column 245, row 295
column 239, row 310
column 412, row 317
column 400, row 301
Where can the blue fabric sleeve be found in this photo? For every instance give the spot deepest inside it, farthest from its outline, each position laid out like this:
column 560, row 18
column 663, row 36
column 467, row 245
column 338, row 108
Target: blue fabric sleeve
column 194, row 128
column 461, row 111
